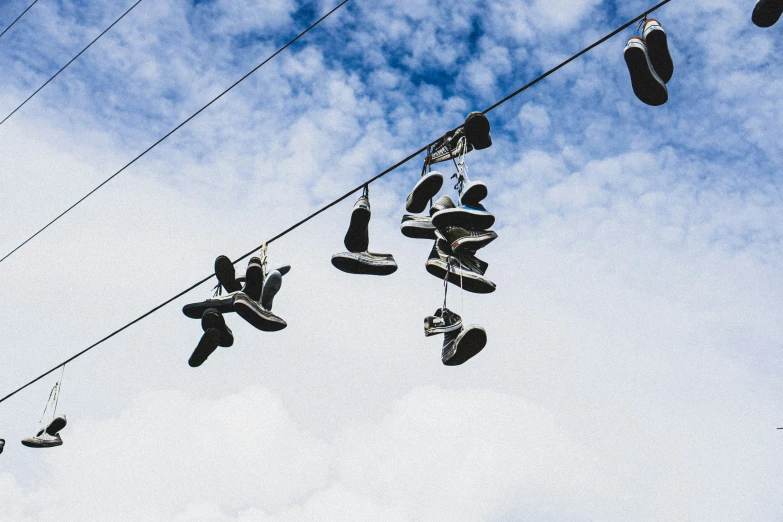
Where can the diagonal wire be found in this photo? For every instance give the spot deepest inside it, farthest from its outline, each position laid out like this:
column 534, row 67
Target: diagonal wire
column 70, row 62
column 336, row 201
column 175, row 129
column 17, row 18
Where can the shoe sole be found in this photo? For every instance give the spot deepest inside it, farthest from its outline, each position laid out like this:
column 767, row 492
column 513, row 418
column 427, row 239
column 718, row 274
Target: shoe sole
column 226, row 274
column 48, row 444
column 767, row 13
column 660, row 58
column 477, row 130
column 264, row 321
column 646, row 84
column 475, row 194
column 352, row 265
column 271, row 286
column 470, row 342
column 357, row 238
column 57, row 424
column 208, row 344
column 426, row 189
column 464, row 218
column 469, row 282
column 254, row 281
column 472, row 243
column 214, row 320
column 417, row 230
column 223, row 304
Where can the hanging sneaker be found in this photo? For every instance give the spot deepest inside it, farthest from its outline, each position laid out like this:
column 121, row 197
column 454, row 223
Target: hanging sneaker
column 767, row 12
column 443, row 321
column 477, row 130
column 226, row 275
column 474, row 217
column 2, row 445
column 272, row 284
column 463, row 240
column 222, row 303
column 443, row 203
column 466, row 271
column 252, row 312
column 208, row 343
column 451, row 145
column 365, row 263
column 254, row 278
column 458, row 347
column 43, row 441
column 658, row 49
column 473, row 192
column 357, row 239
column 57, row 424
column 425, row 189
column 212, row 319
column 646, row 83
column 417, row 227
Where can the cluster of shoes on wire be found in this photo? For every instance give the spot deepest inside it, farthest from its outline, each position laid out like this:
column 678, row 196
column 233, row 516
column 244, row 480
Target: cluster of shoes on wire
column 457, row 231
column 250, row 295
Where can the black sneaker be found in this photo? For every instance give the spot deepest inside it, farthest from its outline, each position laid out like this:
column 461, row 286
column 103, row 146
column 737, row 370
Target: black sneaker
column 474, row 217
column 467, row 273
column 451, row 145
column 254, row 279
column 222, row 303
column 212, row 319
column 646, row 83
column 56, row 425
column 477, row 130
column 208, row 344
column 252, row 312
column 417, row 227
column 272, row 284
column 365, row 263
column 658, row 49
column 463, row 240
column 767, row 12
column 425, row 189
column 459, row 347
column 443, row 203
column 226, row 275
column 357, row 239
column 2, row 445
column 443, row 321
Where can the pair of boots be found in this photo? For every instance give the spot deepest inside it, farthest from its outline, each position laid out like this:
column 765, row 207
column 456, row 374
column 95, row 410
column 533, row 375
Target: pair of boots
column 252, row 302
column 650, row 63
column 459, row 343
column 767, row 12
column 358, row 260
column 48, row 437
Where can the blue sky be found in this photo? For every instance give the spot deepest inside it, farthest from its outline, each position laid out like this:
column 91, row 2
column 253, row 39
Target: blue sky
column 634, row 339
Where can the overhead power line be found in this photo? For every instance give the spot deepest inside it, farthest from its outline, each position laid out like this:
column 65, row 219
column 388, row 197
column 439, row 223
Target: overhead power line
column 70, row 62
column 338, row 200
column 17, row 18
column 175, row 129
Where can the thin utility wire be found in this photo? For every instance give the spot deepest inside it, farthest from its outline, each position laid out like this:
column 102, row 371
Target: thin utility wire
column 333, row 203
column 70, row 62
column 17, row 18
column 175, row 129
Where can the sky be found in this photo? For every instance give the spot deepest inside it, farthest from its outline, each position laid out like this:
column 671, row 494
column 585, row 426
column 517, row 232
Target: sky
column 634, row 341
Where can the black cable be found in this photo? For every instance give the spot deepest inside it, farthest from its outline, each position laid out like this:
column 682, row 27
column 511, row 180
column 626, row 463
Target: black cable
column 175, row 129
column 17, row 18
column 70, row 62
column 330, row 205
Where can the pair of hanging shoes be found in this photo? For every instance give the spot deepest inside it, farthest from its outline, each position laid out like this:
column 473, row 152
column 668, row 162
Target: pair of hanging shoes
column 49, row 436
column 767, row 12
column 359, row 260
column 650, row 63
column 459, row 343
